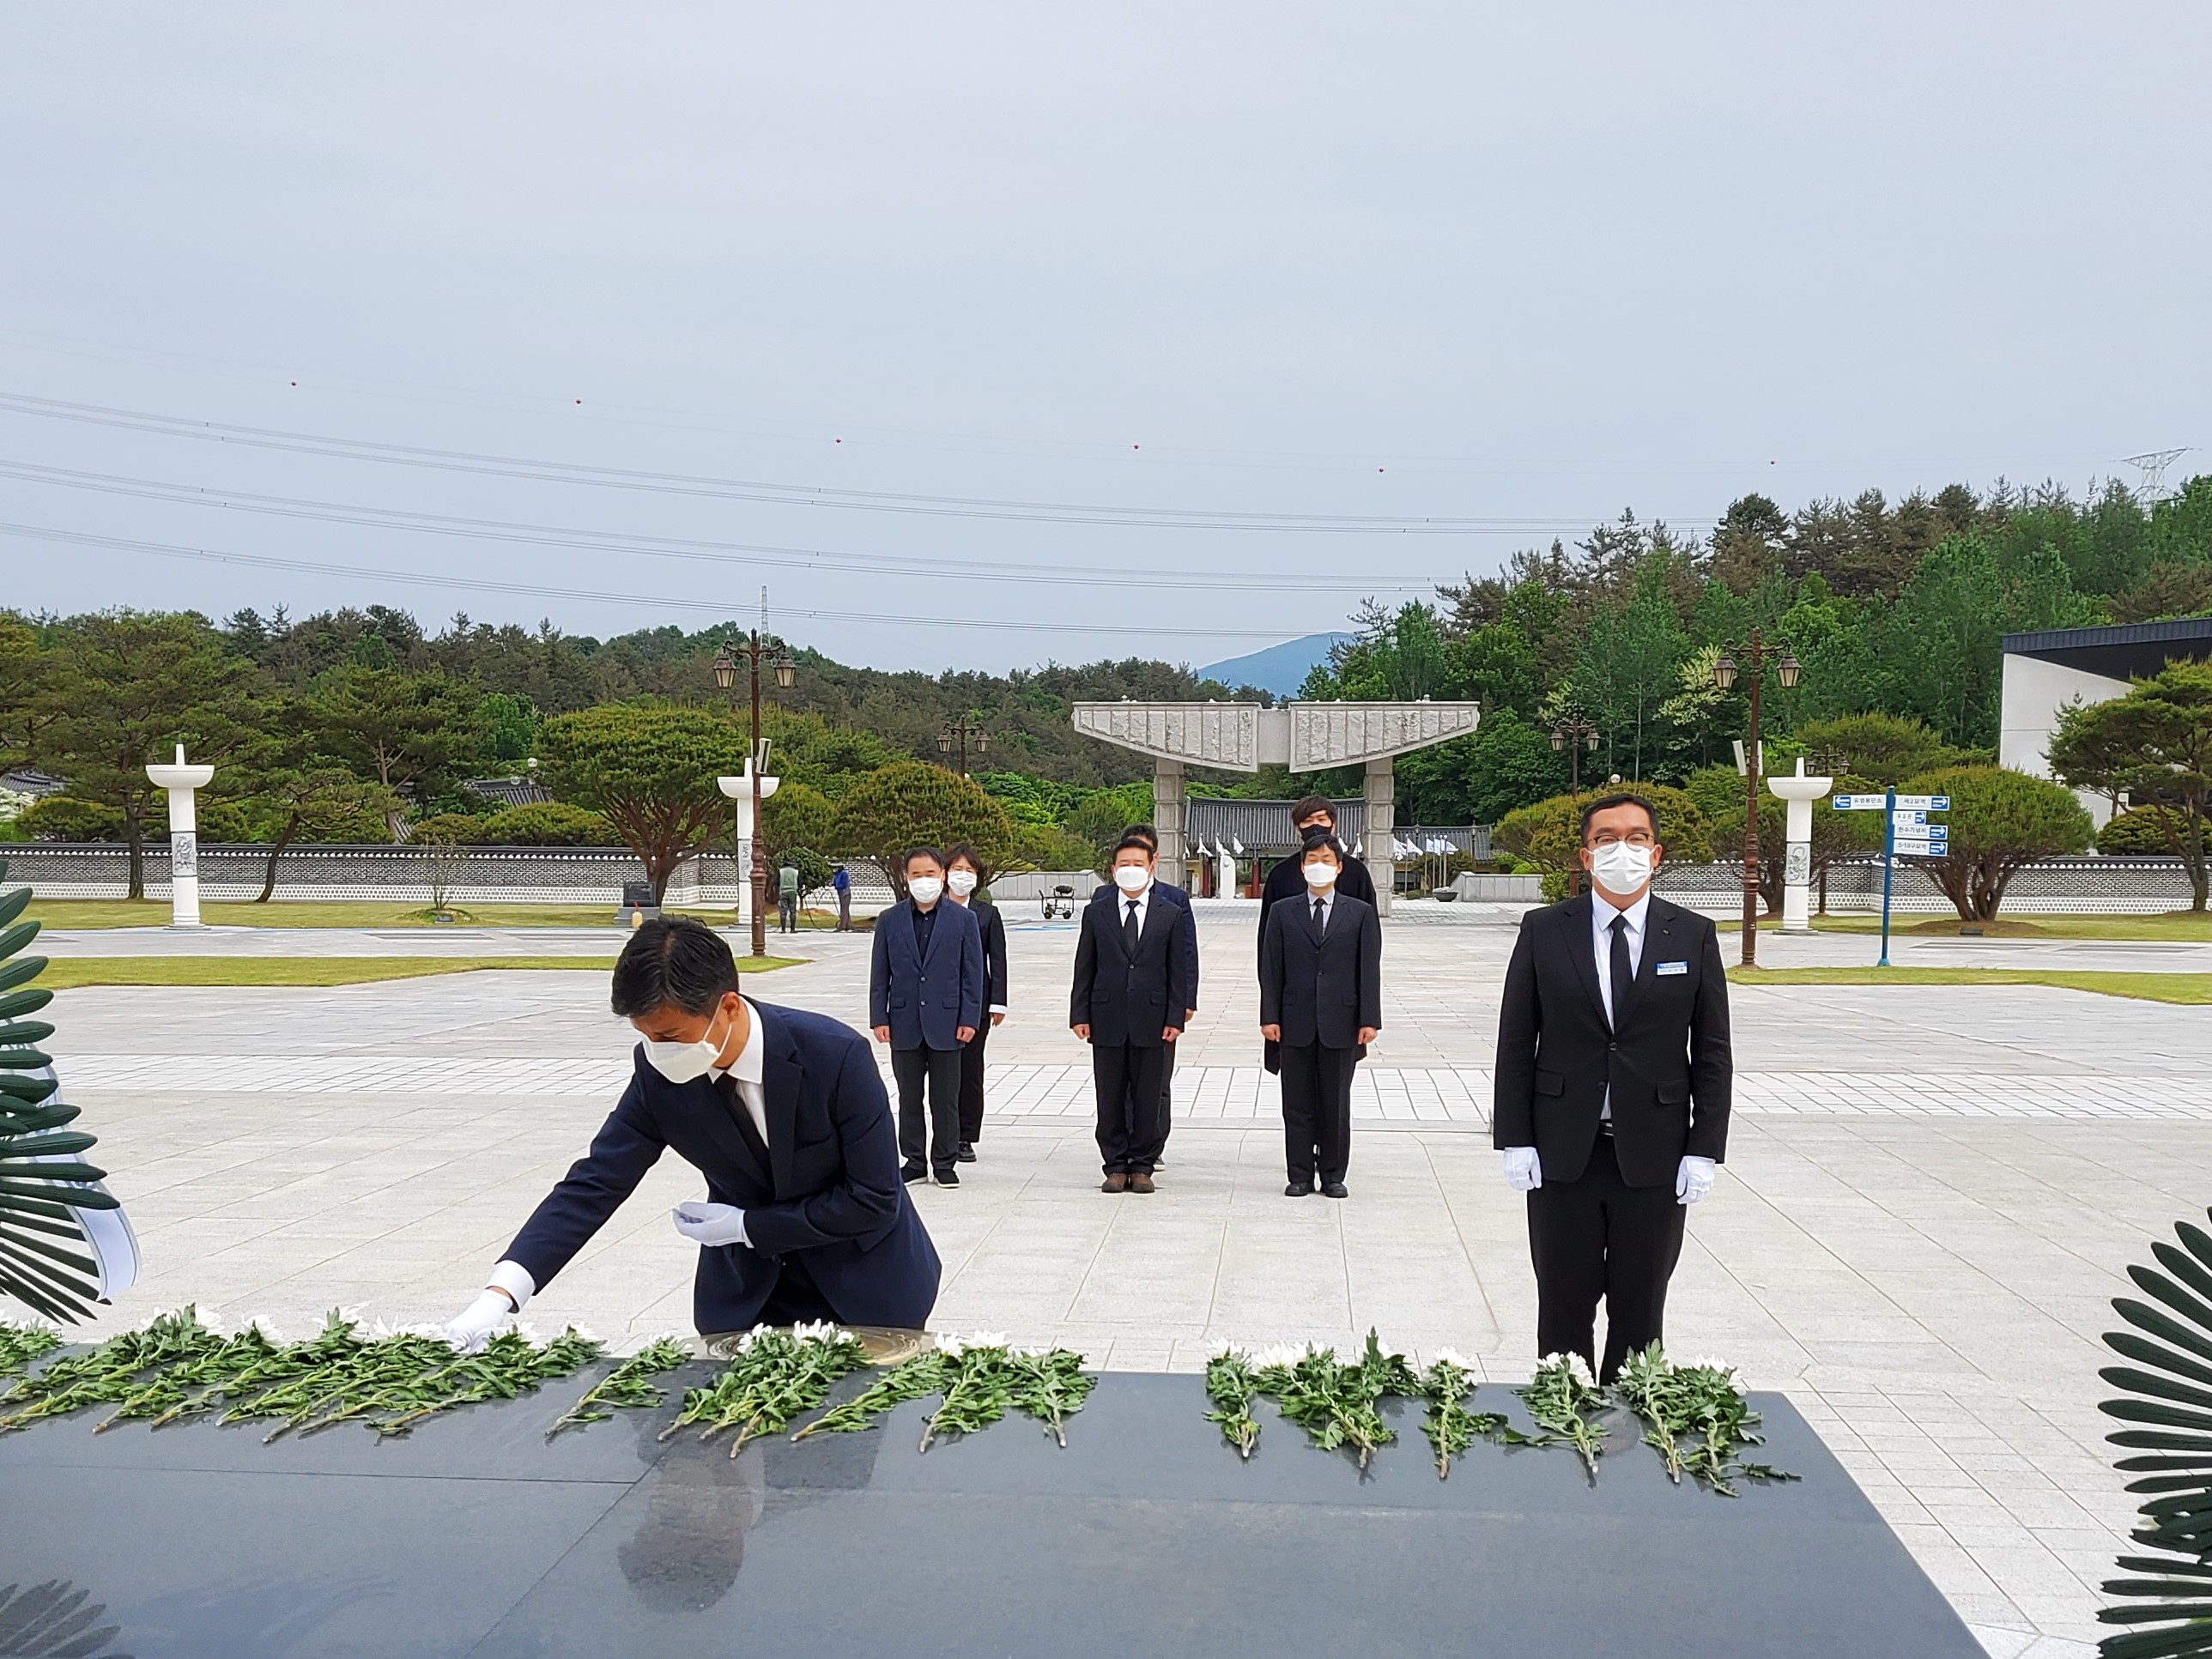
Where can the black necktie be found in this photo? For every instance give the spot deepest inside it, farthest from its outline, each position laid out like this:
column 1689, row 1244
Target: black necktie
column 1622, row 974
column 1321, row 917
column 1129, row 929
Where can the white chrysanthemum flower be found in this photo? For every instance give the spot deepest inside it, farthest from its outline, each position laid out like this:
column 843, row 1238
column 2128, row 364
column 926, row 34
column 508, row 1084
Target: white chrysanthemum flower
column 1286, row 1354
column 1576, row 1365
column 1221, row 1348
column 1453, row 1357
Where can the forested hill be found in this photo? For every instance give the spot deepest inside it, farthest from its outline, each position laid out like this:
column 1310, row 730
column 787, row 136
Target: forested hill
column 1024, row 714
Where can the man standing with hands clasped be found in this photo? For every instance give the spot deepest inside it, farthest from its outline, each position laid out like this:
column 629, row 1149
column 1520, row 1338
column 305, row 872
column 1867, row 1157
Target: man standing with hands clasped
column 1612, row 1081
column 1131, row 989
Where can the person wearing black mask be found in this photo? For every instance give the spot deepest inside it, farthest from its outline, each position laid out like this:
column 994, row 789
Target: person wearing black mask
column 1314, row 819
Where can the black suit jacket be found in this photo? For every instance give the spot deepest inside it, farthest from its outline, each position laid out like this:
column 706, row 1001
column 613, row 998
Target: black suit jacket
column 993, row 927
column 1287, row 880
column 1668, row 1064
column 830, row 1190
column 1109, row 894
column 1125, row 999
column 1322, row 988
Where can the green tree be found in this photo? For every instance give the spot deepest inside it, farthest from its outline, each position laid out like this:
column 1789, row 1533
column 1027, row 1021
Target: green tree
column 1884, row 749
column 1510, row 763
column 649, row 769
column 123, row 688
column 542, row 823
column 796, row 816
column 2154, row 746
column 1999, row 820
column 407, row 731
column 507, row 727
column 914, row 803
column 317, row 802
column 1101, row 816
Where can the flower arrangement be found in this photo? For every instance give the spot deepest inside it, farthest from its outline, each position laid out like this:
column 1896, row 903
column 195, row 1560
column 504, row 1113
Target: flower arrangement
column 629, row 1387
column 774, row 1377
column 178, row 1366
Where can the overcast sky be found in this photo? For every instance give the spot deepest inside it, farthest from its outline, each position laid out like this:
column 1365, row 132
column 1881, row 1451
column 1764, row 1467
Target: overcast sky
column 1257, row 281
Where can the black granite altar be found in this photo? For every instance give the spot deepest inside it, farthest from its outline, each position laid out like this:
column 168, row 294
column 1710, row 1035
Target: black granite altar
column 1145, row 1535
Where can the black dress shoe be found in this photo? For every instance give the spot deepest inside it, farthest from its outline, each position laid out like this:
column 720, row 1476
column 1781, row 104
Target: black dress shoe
column 1333, row 1190
column 1298, row 1189
column 967, row 1151
column 912, row 1173
column 948, row 1177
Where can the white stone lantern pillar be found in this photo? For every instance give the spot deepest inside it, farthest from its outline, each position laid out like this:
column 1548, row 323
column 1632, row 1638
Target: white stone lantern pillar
column 1800, row 792
column 181, row 781
column 740, row 790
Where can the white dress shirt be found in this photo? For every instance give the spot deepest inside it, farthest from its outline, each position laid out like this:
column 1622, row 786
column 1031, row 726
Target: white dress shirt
column 1122, row 902
column 1603, row 911
column 746, row 1068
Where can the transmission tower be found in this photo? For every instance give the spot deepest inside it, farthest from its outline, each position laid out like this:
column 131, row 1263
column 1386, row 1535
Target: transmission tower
column 2153, row 464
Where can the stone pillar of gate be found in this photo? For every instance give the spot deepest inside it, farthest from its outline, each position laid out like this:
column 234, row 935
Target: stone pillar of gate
column 1167, row 820
column 1378, row 830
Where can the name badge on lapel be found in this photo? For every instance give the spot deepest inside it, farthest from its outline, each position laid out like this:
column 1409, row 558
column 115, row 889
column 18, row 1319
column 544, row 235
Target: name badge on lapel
column 1667, row 968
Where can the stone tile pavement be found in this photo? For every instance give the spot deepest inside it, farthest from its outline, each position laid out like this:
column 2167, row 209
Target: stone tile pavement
column 1929, row 1199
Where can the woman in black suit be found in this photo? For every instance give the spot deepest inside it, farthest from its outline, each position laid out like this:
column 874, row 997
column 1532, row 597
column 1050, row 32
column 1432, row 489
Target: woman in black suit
column 963, row 874
column 1321, row 1000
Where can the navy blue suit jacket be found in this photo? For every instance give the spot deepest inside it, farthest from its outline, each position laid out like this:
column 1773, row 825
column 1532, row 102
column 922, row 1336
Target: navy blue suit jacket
column 1108, row 893
column 831, row 1189
column 926, row 1003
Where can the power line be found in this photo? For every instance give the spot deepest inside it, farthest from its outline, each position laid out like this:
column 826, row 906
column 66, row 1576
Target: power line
column 784, row 494
column 677, row 547
column 720, row 608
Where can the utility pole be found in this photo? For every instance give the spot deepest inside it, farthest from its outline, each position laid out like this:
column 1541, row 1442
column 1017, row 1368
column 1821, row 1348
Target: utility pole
column 2152, row 463
column 1573, row 734
column 1724, row 673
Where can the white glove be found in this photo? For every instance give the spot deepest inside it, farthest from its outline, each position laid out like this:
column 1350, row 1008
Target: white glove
column 1523, row 1174
column 1694, row 1179
column 478, row 1320
column 710, row 1224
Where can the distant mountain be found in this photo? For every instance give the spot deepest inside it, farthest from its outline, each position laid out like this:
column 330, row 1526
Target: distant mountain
column 1281, row 669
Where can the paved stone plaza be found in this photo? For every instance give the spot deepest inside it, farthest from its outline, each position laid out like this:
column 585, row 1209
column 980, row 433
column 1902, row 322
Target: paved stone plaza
column 1930, row 1196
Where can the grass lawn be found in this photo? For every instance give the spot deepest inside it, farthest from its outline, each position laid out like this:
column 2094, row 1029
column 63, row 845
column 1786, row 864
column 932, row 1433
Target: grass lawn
column 2187, row 988
column 69, row 973
column 352, row 912
column 2177, row 926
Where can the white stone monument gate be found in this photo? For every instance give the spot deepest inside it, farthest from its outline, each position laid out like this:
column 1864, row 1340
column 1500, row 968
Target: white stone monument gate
column 1306, row 736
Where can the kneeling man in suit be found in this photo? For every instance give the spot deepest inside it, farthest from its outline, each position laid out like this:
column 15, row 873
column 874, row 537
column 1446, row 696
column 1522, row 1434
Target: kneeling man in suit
column 1612, row 1081
column 785, row 1115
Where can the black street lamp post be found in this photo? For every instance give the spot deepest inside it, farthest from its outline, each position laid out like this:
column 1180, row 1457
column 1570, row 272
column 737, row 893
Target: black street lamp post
column 1787, row 669
column 752, row 648
column 956, row 735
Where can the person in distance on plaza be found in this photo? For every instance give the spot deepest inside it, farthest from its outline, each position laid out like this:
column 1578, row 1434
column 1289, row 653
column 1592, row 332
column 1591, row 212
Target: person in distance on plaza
column 1613, row 1082
column 841, row 883
column 926, row 1000
column 1126, row 1002
column 787, row 897
column 784, row 1113
column 1174, row 895
column 964, row 873
column 1321, row 1000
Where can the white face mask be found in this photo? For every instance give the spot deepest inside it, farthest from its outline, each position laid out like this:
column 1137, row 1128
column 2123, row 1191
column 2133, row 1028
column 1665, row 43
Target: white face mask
column 962, row 882
column 1131, row 878
column 925, row 891
column 1320, row 875
column 1621, row 867
column 686, row 1062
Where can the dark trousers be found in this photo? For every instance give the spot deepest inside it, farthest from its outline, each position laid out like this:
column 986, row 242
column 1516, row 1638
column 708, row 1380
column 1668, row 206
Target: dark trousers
column 786, row 914
column 796, row 1298
column 1598, row 1236
column 1167, row 1092
column 940, row 1067
column 1128, row 1081
column 845, row 911
column 1317, row 1110
column 971, row 1085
